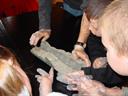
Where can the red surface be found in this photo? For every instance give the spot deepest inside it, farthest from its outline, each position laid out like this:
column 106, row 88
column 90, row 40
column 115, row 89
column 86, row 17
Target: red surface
column 16, row 7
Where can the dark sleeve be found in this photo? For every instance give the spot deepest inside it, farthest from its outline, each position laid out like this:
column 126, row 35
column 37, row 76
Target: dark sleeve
column 105, row 75
column 95, row 47
column 87, row 70
column 45, row 7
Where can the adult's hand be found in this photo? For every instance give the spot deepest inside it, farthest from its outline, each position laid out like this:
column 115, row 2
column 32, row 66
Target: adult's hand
column 35, row 37
column 80, row 54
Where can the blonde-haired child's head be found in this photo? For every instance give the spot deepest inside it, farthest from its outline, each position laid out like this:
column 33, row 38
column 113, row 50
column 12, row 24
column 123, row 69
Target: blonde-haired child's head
column 114, row 28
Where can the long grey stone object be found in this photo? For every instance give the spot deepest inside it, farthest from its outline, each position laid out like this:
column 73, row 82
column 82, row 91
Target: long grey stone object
column 60, row 60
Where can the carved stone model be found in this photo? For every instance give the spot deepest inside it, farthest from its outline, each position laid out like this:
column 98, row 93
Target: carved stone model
column 60, row 60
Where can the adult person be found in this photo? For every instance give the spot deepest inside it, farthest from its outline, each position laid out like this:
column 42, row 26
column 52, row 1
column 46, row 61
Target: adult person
column 44, row 31
column 71, row 6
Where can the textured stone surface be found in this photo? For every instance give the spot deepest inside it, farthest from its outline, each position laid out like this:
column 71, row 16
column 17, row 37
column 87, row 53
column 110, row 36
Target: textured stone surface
column 60, row 60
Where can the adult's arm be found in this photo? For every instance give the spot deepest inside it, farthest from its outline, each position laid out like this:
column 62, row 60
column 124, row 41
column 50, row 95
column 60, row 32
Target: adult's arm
column 44, row 22
column 84, row 30
column 45, row 7
column 78, row 51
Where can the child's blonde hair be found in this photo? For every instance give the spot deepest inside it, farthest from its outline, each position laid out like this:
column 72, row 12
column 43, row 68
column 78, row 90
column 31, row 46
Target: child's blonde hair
column 10, row 81
column 114, row 22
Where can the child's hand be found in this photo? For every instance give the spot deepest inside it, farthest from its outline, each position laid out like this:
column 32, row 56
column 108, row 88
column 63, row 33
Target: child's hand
column 45, row 79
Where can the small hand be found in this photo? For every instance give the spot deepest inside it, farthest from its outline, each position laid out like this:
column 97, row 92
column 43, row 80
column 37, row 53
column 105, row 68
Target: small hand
column 80, row 54
column 35, row 37
column 45, row 79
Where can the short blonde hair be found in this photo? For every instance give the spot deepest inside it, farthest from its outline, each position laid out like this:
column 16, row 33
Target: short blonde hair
column 114, row 22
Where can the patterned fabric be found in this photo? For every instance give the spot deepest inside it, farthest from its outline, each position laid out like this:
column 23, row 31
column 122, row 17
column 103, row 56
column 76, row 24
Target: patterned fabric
column 17, row 7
